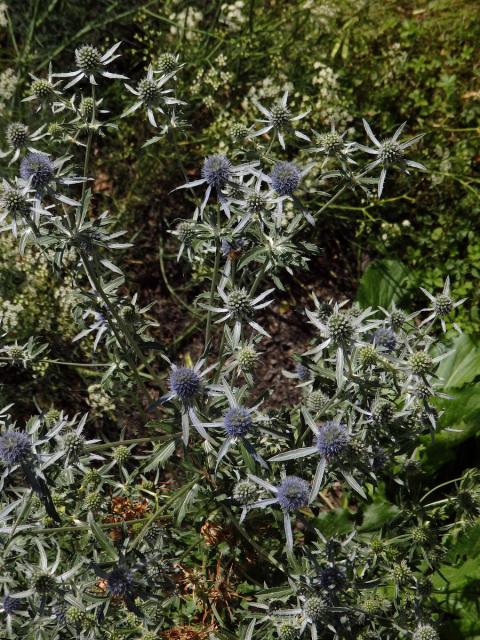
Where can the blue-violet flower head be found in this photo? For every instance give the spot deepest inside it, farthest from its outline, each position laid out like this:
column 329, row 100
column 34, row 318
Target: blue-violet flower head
column 293, row 493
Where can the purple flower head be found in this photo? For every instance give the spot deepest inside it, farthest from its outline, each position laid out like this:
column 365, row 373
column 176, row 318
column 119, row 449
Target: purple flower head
column 120, row 581
column 285, row 178
column 10, row 605
column 38, row 168
column 15, row 446
column 332, row 439
column 237, row 422
column 385, row 338
column 332, row 578
column 216, row 171
column 293, row 493
column 60, row 613
column 185, row 383
column 302, row 372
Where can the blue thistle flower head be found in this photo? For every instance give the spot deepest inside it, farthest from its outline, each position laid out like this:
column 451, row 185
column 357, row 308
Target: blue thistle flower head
column 386, row 338
column 216, row 171
column 293, row 493
column 302, row 372
column 332, row 578
column 10, row 605
column 60, row 613
column 38, row 168
column 225, row 248
column 120, row 581
column 332, row 439
column 237, row 422
column 285, row 178
column 15, row 446
column 185, row 383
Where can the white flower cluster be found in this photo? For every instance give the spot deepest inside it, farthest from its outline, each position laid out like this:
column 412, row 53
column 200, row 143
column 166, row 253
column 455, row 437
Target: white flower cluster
column 323, row 13
column 394, row 61
column 187, row 22
column 267, row 88
column 232, row 15
column 212, row 80
column 3, row 14
column 10, row 313
column 99, row 400
column 8, row 84
column 329, row 104
column 392, row 230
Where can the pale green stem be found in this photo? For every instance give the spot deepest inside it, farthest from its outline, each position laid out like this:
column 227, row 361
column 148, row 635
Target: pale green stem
column 81, row 365
column 122, row 443
column 213, row 286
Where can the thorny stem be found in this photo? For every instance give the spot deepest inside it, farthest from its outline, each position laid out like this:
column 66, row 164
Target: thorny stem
column 96, row 283
column 122, row 443
column 213, row 286
column 62, row 362
column 259, row 278
column 89, row 145
column 98, row 288
column 12, row 33
column 170, row 289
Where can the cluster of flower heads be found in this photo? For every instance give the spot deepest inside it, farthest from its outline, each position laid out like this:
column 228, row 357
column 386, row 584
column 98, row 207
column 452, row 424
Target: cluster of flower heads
column 368, row 383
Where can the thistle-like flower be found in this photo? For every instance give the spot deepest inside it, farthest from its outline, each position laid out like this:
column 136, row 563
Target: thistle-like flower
column 15, row 447
column 310, row 610
column 331, row 143
column 425, row 632
column 74, row 443
column 284, row 180
column 238, row 423
column 187, row 386
column 342, row 331
column 44, row 91
column 19, row 138
column 166, row 63
column 291, row 495
column 185, row 231
column 442, row 306
column 91, row 64
column 44, row 578
column 119, row 581
column 390, row 153
column 44, row 175
column 10, row 605
column 151, row 95
column 239, row 307
column 385, row 338
column 330, row 442
column 15, row 201
column 280, row 119
column 218, row 173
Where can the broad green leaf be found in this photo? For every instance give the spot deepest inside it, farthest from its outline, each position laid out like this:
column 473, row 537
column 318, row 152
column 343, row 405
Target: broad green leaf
column 382, row 283
column 468, row 544
column 463, row 364
column 461, row 414
column 377, row 514
column 333, row 523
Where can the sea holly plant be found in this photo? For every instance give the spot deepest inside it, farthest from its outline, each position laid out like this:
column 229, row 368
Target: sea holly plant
column 307, row 520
